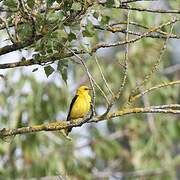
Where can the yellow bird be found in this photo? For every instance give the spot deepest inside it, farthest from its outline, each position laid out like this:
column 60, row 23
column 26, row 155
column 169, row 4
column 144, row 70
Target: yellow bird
column 79, row 106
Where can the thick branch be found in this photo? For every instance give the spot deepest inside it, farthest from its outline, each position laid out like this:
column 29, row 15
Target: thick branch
column 30, row 62
column 58, row 125
column 17, row 46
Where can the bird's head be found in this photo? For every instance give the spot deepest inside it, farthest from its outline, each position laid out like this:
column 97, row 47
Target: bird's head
column 83, row 90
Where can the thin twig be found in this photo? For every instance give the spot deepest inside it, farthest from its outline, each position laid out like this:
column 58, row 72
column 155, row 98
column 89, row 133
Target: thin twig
column 101, row 90
column 133, row 174
column 105, row 45
column 133, row 98
column 102, row 75
column 141, row 26
column 126, row 58
column 159, row 34
column 155, row 67
column 7, row 29
column 133, row 1
column 118, row 94
column 166, row 106
column 149, row 10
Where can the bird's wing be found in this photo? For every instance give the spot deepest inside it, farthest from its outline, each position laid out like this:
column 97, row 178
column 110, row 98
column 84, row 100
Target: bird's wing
column 71, row 105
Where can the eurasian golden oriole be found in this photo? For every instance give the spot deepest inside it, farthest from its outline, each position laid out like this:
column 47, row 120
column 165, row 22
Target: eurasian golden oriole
column 79, row 106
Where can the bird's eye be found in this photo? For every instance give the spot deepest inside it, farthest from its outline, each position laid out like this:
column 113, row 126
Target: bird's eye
column 86, row 89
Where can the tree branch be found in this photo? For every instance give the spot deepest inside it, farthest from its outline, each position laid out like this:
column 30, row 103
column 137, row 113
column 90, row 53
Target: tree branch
column 106, row 45
column 18, row 45
column 160, row 35
column 30, row 62
column 133, row 98
column 58, row 125
column 149, row 10
column 133, row 1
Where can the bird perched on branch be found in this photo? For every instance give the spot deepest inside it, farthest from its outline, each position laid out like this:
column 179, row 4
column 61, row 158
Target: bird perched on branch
column 79, row 106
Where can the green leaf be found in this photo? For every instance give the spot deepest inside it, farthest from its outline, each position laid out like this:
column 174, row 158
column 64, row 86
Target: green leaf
column 48, row 70
column 67, row 5
column 76, row 6
column 62, row 68
column 110, row 3
column 105, row 20
column 36, row 57
column 60, row 33
column 50, row 2
column 24, row 30
column 30, row 3
column 11, row 4
column 89, row 31
column 71, row 36
column 52, row 16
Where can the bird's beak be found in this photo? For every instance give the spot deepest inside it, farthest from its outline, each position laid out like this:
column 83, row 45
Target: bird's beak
column 90, row 89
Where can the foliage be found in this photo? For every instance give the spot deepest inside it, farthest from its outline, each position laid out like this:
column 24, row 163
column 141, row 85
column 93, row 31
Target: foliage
column 50, row 33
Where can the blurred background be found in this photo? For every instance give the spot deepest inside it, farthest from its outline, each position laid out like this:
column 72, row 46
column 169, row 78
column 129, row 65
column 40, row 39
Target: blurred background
column 142, row 146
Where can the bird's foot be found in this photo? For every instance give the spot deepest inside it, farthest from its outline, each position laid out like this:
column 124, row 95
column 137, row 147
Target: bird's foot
column 66, row 136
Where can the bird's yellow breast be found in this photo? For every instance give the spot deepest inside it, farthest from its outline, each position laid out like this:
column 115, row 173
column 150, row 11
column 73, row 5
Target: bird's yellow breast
column 81, row 106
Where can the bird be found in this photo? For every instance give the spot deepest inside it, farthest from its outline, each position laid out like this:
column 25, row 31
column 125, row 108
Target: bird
column 80, row 105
